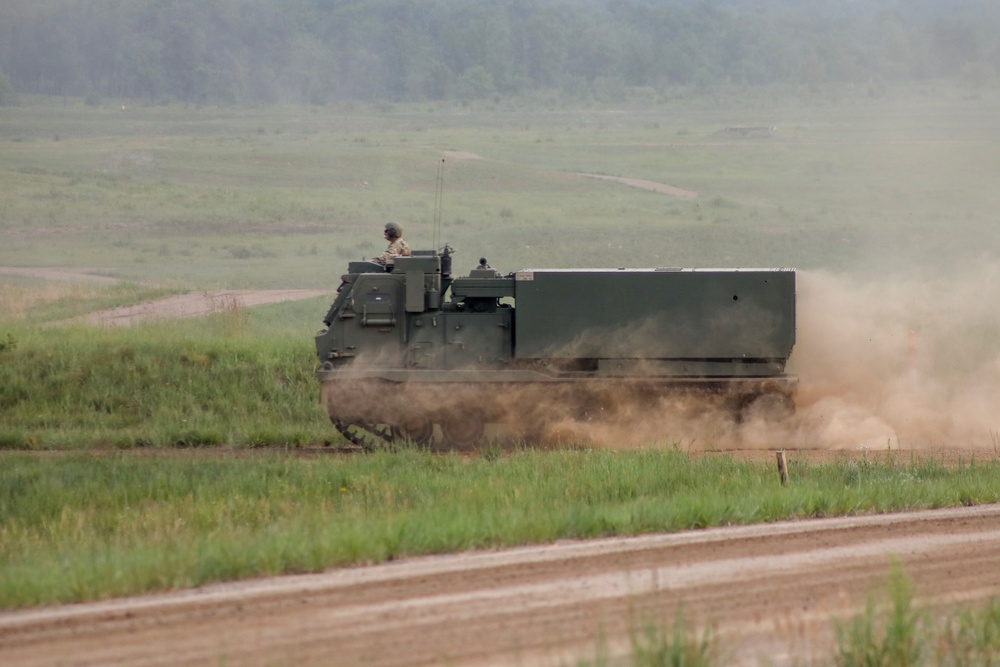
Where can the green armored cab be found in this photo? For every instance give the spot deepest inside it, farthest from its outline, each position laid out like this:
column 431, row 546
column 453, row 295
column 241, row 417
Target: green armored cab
column 416, row 353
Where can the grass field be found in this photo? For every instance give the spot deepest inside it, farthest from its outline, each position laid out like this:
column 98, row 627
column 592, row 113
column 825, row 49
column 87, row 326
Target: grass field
column 82, row 527
column 171, row 199
column 282, row 197
column 237, row 376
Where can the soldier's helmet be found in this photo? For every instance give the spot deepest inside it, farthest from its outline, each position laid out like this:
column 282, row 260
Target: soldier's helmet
column 394, row 230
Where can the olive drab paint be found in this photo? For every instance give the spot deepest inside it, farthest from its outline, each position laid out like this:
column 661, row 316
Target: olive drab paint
column 413, row 347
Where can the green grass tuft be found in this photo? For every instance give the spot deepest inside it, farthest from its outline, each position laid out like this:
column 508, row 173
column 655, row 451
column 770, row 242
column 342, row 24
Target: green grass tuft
column 893, row 638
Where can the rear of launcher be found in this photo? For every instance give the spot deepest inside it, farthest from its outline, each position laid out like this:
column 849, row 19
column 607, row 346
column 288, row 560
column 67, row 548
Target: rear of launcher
column 413, row 353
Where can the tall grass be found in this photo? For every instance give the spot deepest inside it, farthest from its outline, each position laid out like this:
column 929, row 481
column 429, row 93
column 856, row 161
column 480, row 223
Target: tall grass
column 970, row 637
column 891, row 631
column 237, row 376
column 657, row 645
column 894, row 632
column 884, row 638
column 676, row 646
column 78, row 527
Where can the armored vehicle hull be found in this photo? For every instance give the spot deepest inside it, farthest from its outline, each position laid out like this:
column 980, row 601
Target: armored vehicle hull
column 415, row 353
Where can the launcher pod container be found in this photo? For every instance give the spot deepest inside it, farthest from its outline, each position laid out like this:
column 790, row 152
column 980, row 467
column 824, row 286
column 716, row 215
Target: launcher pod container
column 413, row 353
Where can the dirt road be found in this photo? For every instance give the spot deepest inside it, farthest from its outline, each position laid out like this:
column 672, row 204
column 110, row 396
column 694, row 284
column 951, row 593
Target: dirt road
column 196, row 303
column 769, row 591
column 57, row 274
column 653, row 186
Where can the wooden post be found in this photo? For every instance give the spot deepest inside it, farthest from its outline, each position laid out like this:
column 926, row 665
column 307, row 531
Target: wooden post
column 783, row 467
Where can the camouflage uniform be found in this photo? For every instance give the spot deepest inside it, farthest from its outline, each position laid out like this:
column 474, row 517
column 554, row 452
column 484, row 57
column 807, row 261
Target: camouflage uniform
column 398, row 248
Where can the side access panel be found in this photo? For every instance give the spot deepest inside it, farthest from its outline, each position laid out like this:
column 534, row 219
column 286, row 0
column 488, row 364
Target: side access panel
column 478, row 340
column 371, row 325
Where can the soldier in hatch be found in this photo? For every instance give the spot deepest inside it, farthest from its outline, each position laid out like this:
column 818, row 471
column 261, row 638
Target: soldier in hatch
column 397, row 246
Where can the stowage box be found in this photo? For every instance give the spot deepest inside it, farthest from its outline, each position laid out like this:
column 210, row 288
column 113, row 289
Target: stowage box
column 655, row 313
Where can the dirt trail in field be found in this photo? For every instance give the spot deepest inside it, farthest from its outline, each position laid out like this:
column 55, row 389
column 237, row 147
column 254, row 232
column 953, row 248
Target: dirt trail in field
column 196, row 303
column 179, row 305
column 768, row 591
column 653, row 186
column 59, row 274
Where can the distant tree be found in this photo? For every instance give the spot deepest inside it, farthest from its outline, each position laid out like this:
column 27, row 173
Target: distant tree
column 262, row 51
column 144, row 76
column 955, row 42
column 311, row 70
column 474, row 83
column 978, row 75
column 8, row 97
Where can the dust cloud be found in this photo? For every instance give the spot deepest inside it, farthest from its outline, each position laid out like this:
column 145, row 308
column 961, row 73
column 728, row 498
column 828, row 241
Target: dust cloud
column 909, row 362
column 904, row 362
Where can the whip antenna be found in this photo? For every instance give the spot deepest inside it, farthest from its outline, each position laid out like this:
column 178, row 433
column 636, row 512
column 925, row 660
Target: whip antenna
column 436, row 234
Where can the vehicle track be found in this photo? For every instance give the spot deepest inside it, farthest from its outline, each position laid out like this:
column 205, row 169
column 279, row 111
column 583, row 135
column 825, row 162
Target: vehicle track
column 769, row 591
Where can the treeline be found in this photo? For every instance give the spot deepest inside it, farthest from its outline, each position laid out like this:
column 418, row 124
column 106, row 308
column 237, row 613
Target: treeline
column 318, row 51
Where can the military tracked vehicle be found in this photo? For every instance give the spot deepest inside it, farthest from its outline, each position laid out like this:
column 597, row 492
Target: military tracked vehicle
column 411, row 352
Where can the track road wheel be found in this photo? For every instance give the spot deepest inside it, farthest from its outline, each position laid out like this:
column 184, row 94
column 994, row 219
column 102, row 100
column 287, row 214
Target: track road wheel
column 462, row 431
column 532, row 434
column 770, row 407
column 419, row 430
column 365, row 435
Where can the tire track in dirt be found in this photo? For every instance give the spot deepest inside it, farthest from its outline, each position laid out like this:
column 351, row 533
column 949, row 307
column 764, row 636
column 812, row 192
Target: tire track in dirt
column 769, row 590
